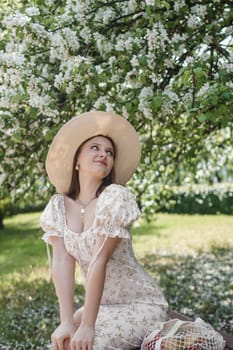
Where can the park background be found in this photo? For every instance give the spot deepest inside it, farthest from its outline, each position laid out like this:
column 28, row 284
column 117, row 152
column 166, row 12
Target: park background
column 166, row 66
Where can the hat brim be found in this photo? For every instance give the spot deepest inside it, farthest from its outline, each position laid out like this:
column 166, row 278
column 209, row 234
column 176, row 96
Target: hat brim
column 59, row 162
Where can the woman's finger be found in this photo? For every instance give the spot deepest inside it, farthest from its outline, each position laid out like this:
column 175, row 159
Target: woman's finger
column 66, row 343
column 54, row 346
column 60, row 344
column 90, row 345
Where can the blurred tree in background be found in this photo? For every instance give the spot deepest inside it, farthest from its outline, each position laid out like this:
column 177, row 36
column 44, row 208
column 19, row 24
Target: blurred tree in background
column 167, row 66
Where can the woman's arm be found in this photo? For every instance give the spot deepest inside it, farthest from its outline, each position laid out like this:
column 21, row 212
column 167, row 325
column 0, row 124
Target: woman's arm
column 84, row 336
column 63, row 272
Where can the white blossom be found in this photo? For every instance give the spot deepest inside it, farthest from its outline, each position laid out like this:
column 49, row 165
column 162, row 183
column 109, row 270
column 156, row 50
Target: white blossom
column 228, row 67
column 192, row 21
column 120, row 45
column 129, row 44
column 134, row 61
column 132, row 79
column 190, row 60
column 88, row 89
column 169, row 63
column 77, row 7
column 39, row 29
column 228, row 31
column 178, row 5
column 147, row 112
column 85, row 34
column 15, row 76
column 13, row 59
column 108, row 14
column 102, row 100
column 66, row 18
column 99, row 69
column 132, row 5
column 150, row 2
column 38, row 101
column 71, row 38
column 199, row 10
column 180, row 50
column 179, row 37
column 112, row 60
column 146, row 92
column 16, row 20
column 172, row 95
column 157, row 37
column 143, row 106
column 125, row 114
column 155, row 78
column 32, row 11
column 203, row 90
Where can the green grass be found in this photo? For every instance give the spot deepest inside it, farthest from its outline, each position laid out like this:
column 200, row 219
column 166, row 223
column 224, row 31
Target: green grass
column 190, row 256
column 183, row 233
column 21, row 246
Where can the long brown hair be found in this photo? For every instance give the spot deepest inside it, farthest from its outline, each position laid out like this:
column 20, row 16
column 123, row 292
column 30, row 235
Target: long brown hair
column 74, row 188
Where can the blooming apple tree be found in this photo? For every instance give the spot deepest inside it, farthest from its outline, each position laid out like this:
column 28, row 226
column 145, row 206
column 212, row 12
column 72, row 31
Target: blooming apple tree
column 167, row 66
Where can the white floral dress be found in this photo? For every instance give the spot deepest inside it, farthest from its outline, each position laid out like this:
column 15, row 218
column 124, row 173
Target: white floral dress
column 131, row 300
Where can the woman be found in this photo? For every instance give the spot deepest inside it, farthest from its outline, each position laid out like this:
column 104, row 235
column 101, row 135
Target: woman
column 88, row 222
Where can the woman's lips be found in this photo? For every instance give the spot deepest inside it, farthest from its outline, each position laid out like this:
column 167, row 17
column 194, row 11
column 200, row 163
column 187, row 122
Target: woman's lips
column 101, row 162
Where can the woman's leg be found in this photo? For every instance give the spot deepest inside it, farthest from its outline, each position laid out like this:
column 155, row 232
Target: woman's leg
column 123, row 326
column 78, row 316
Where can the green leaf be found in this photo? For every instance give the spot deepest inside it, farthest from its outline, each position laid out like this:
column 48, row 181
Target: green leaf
column 157, row 102
column 201, row 117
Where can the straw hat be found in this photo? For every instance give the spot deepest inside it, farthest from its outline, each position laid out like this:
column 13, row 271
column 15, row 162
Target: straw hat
column 59, row 162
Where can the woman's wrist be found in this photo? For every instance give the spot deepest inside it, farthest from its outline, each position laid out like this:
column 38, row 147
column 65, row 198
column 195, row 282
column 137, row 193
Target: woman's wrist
column 87, row 323
column 66, row 314
column 67, row 320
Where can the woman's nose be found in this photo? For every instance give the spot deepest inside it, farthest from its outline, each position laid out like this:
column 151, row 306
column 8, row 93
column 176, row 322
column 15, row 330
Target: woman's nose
column 102, row 153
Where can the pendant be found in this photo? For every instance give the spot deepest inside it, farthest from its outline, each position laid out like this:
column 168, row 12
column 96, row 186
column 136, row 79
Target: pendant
column 82, row 211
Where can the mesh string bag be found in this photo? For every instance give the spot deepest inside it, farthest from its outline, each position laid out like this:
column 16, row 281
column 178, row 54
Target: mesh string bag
column 183, row 335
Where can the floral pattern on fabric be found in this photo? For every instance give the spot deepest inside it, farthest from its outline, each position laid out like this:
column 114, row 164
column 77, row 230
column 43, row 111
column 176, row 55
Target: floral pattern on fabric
column 116, row 210
column 131, row 300
column 52, row 219
column 122, row 327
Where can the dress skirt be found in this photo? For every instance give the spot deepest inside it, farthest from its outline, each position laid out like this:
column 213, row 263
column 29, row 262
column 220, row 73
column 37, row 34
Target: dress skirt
column 123, row 326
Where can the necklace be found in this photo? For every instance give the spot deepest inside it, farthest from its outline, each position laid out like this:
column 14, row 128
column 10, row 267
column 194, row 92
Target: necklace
column 84, row 206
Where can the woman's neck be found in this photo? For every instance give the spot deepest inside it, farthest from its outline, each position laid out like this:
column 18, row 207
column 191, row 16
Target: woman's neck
column 88, row 188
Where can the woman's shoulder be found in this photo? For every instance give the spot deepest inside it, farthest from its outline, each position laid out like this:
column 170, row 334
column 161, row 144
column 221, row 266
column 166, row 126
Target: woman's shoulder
column 52, row 219
column 116, row 196
column 114, row 190
column 117, row 204
column 55, row 202
column 56, row 199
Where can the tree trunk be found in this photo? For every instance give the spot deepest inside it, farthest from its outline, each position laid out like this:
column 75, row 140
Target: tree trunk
column 1, row 221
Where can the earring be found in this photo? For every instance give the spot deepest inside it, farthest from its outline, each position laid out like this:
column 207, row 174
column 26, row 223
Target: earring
column 77, row 168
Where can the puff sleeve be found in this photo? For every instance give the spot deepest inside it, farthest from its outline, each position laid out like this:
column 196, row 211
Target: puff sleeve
column 52, row 219
column 116, row 210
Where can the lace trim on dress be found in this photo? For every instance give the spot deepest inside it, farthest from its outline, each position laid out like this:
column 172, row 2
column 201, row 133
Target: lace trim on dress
column 47, row 235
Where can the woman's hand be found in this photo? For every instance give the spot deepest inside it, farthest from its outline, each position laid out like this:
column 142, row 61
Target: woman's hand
column 83, row 339
column 62, row 335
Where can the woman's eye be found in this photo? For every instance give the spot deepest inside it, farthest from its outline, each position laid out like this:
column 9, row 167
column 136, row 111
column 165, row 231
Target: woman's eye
column 110, row 153
column 94, row 147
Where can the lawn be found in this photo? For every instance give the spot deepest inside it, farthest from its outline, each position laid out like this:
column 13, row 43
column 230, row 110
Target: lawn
column 190, row 256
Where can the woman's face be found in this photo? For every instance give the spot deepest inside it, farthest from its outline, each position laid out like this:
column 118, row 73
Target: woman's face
column 96, row 157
